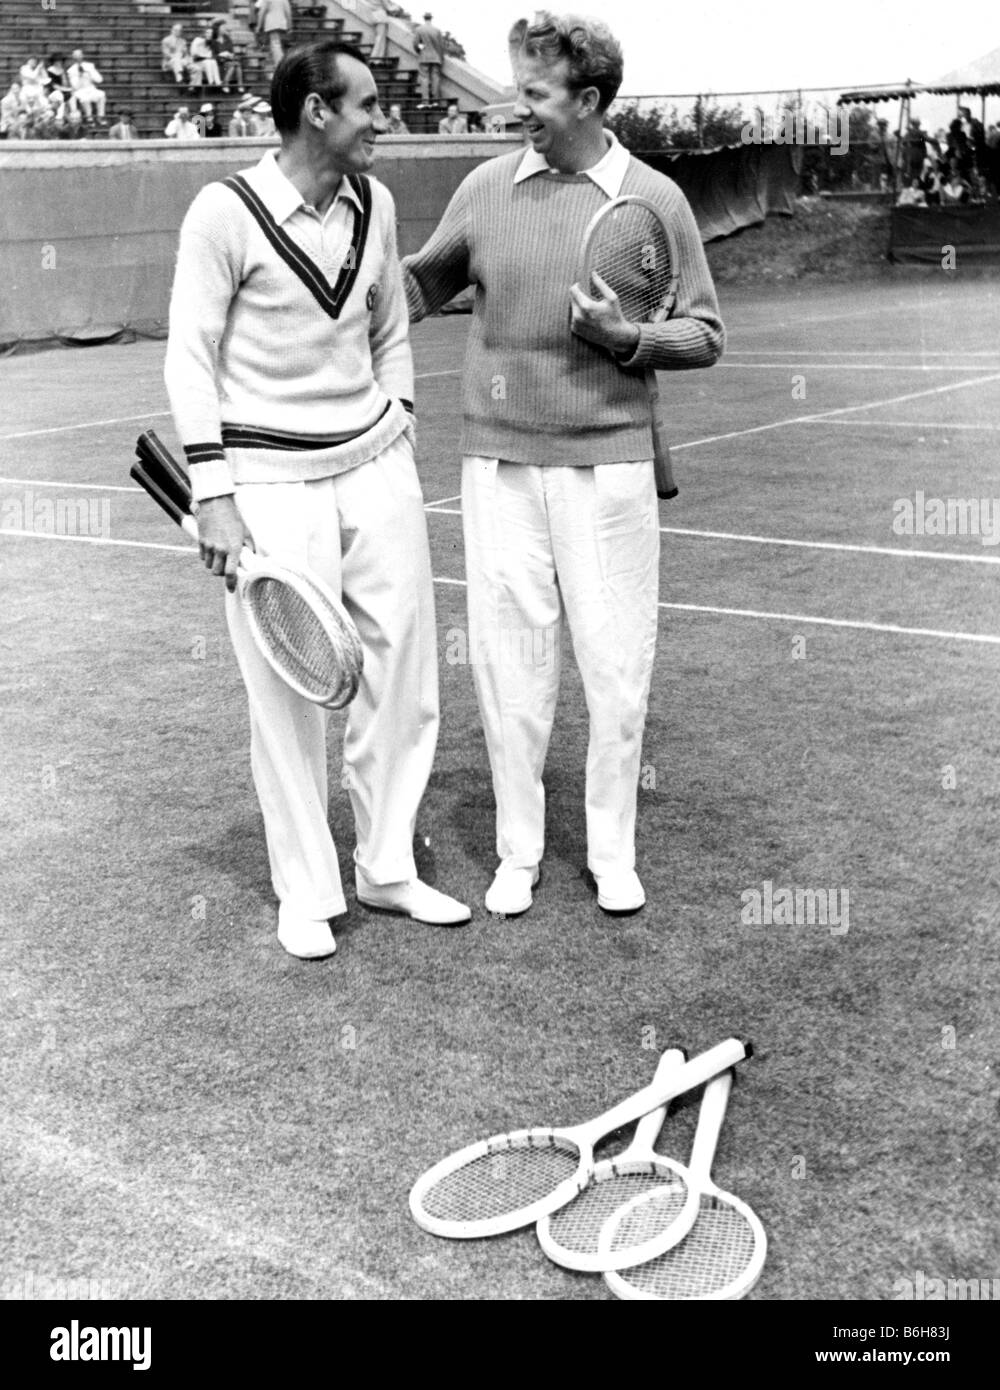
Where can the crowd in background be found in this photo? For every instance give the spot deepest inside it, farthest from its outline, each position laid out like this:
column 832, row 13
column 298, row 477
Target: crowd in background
column 56, row 100
column 959, row 165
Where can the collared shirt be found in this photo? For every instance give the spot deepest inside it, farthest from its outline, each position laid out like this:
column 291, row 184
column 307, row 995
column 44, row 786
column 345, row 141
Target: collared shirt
column 325, row 238
column 607, row 173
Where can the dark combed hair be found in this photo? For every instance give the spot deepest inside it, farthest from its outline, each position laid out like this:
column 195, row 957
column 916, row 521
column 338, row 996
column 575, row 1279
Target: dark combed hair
column 592, row 52
column 312, row 67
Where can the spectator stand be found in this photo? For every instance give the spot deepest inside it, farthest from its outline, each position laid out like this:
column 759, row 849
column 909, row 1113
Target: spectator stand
column 920, row 233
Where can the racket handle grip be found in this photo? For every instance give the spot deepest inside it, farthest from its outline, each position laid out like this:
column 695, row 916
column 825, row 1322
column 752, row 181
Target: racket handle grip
column 664, row 473
column 683, row 1078
column 189, row 526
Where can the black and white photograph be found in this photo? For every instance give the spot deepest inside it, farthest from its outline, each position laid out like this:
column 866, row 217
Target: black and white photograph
column 500, row 545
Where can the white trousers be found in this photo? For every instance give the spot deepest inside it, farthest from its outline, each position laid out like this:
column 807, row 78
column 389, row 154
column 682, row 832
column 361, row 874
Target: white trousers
column 365, row 533
column 544, row 545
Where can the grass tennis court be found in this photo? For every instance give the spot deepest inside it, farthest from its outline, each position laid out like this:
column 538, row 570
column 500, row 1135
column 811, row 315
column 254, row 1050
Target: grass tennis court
column 191, row 1113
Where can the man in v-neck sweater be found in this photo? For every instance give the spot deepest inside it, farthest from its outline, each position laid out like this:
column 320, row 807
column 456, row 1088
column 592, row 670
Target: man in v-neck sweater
column 291, row 381
column 558, row 497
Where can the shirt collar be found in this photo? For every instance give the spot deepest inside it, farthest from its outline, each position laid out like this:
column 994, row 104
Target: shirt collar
column 608, row 173
column 281, row 197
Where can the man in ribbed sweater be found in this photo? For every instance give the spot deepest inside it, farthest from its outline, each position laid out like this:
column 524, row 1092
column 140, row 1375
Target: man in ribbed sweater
column 291, row 382
column 558, row 496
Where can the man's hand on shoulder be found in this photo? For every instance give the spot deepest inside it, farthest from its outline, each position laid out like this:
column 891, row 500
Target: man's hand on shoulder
column 601, row 321
column 222, row 535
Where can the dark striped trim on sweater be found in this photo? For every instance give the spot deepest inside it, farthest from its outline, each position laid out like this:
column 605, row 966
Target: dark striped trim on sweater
column 330, row 300
column 255, row 437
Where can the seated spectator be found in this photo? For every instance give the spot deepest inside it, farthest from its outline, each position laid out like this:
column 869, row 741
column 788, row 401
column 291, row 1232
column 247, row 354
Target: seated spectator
column 55, row 69
column 912, row 197
column 209, row 125
column 45, row 125
column 34, row 78
column 175, row 54
column 931, row 180
column 226, row 56
column 204, row 69
column 241, row 127
column 262, row 122
column 182, row 127
column 956, row 189
column 395, row 123
column 453, row 123
column 10, row 108
column 84, row 81
column 73, row 127
column 124, row 128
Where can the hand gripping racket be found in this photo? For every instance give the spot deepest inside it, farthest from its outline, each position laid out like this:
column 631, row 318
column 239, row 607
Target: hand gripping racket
column 723, row 1252
column 512, row 1180
column 630, row 246
column 300, row 627
column 569, row 1236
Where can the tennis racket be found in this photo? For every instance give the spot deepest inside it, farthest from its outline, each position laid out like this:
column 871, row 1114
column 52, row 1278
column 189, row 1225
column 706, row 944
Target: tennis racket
column 629, row 244
column 300, row 627
column 569, row 1236
column 513, row 1180
column 723, row 1252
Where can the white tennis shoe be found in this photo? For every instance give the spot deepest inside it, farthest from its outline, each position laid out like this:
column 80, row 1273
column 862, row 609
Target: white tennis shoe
column 411, row 898
column 510, row 892
column 620, row 892
column 306, row 937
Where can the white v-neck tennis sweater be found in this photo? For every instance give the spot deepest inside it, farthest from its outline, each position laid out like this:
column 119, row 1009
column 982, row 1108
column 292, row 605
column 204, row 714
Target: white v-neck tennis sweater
column 270, row 378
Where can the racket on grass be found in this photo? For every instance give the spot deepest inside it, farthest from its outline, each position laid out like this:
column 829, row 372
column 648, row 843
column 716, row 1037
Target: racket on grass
column 301, row 629
column 723, row 1252
column 513, row 1180
column 570, row 1235
column 628, row 243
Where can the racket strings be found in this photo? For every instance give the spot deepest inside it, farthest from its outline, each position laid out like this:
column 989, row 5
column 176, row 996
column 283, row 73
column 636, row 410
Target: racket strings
column 500, row 1181
column 577, row 1227
column 301, row 643
column 718, row 1249
column 631, row 252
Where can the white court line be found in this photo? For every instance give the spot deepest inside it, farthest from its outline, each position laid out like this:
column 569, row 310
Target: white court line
column 845, row 366
column 896, row 552
column 87, row 425
column 828, row 414
column 425, row 376
column 87, row 487
column 97, row 540
column 441, row 501
column 837, row 622
column 903, row 424
column 851, row 352
column 981, row 637
column 114, row 487
column 677, row 607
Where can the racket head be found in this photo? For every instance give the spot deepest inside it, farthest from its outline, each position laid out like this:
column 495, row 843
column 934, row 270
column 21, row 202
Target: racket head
column 302, row 631
column 721, row 1257
column 571, row 1235
column 500, row 1184
column 629, row 244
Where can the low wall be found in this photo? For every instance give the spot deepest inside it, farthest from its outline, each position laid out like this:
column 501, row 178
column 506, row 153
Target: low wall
column 90, row 228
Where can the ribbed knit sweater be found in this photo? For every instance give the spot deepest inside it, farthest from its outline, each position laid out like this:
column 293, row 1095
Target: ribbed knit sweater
column 534, row 392
column 269, row 380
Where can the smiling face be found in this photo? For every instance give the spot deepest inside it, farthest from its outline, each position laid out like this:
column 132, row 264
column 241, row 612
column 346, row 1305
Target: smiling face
column 348, row 134
column 553, row 115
